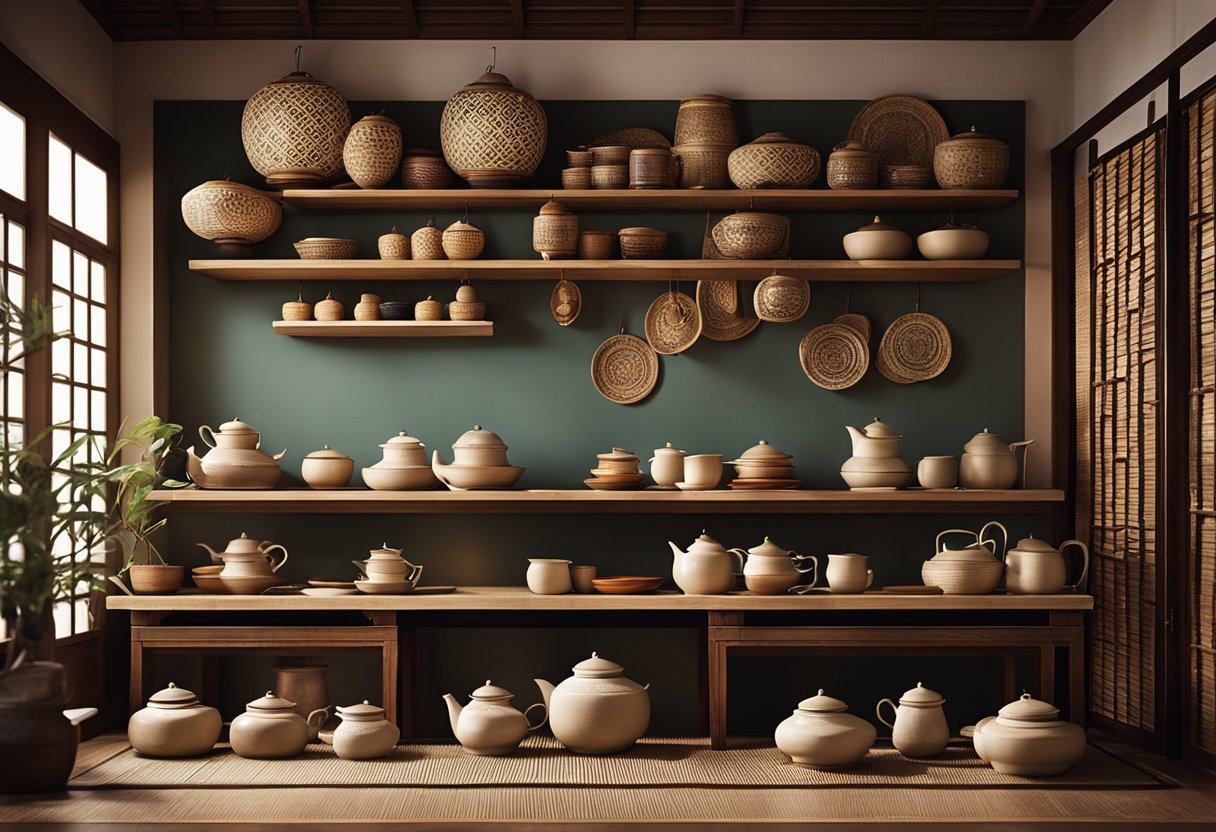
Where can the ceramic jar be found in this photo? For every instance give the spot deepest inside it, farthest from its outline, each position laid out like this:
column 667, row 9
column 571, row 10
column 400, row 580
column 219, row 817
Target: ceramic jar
column 403, row 466
column 364, row 733
column 271, row 729
column 424, row 169
column 875, row 462
column 597, row 710
column 174, row 724
column 769, row 569
column 920, row 728
column 971, row 160
column 463, row 241
column 953, row 242
column 230, row 214
column 479, row 461
column 1035, row 567
column 555, row 232
column 667, row 466
column 878, row 241
column 763, row 461
column 549, row 576
column 652, row 167
column 975, row 569
column 938, row 471
column 479, row 447
column 235, row 460
column 852, row 167
column 1026, row 739
column 372, row 151
column 702, row 472
column 848, row 573
column 427, row 243
column 493, row 133
column 327, row 468
column 707, row 568
column 991, row 462
column 489, row 725
column 773, row 161
column 393, row 246
column 821, row 735
column 308, row 686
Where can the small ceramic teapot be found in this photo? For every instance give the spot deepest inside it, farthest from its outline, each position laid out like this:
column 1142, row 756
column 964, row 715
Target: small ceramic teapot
column 707, row 568
column 1035, row 567
column 245, row 557
column 364, row 733
column 175, row 724
column 991, row 462
column 489, row 724
column 235, row 460
column 667, row 466
column 1027, row 739
column 270, row 729
column 920, row 728
column 975, row 569
column 386, row 564
column 772, row 570
column 479, row 461
column 597, row 710
column 875, row 462
column 821, row 735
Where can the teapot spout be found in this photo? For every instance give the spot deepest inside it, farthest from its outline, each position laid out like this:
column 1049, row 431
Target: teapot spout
column 676, row 551
column 215, row 556
column 436, row 462
column 857, row 435
column 546, row 691
column 454, row 710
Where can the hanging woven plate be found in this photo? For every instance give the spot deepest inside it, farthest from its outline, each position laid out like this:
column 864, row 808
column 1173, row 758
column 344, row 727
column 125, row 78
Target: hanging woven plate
column 624, row 369
column 899, row 130
column 858, row 322
column 673, row 323
column 566, row 302
column 725, row 314
column 834, row 356
column 885, row 370
column 781, row 299
column 915, row 347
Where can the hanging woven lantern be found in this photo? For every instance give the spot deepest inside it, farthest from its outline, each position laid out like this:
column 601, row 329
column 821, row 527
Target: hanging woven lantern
column 293, row 130
column 493, row 134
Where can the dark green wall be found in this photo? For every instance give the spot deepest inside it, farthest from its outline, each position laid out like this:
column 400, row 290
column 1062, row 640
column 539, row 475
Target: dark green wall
column 531, row 384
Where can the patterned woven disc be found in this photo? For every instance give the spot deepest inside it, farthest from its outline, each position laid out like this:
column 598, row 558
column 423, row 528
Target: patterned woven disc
column 899, row 130
column 673, row 323
column 565, row 302
column 916, row 347
column 781, row 299
column 858, row 322
column 834, row 356
column 884, row 369
column 625, row 369
column 725, row 313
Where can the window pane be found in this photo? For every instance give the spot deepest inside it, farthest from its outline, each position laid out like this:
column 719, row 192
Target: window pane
column 16, row 288
column 98, row 415
column 80, row 319
column 15, row 406
column 16, row 245
column 80, row 408
column 12, row 152
column 61, row 313
column 98, row 292
column 91, row 200
column 80, row 363
column 61, row 264
column 97, row 331
column 61, row 356
column 61, row 411
column 61, row 181
column 98, row 370
column 80, row 275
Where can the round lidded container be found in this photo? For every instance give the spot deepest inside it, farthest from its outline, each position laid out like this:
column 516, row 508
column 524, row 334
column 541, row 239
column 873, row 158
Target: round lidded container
column 480, row 447
column 1027, row 739
column 773, row 161
column 971, row 161
column 174, row 724
column 270, row 729
column 618, row 460
column 598, row 710
column 364, row 733
column 706, row 119
column 236, row 435
column 763, row 461
column 878, row 241
column 821, row 735
column 327, row 468
column 852, row 167
column 555, row 232
column 402, row 451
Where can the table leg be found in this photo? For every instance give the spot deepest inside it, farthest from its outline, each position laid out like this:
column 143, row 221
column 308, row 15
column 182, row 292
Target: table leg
column 1011, row 678
column 1076, row 682
column 136, row 691
column 1047, row 673
column 703, row 683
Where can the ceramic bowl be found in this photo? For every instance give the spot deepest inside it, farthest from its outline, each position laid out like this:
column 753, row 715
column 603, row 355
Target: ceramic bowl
column 412, row 478
column 770, row 584
column 877, row 479
column 956, row 243
column 250, row 586
column 395, row 310
column 462, row 477
column 327, row 248
column 207, row 578
column 334, row 472
column 887, row 244
column 752, row 471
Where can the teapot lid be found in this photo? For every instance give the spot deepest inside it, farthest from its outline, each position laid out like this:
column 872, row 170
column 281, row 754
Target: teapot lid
column 553, row 207
column 975, row 553
column 1028, row 709
column 327, row 452
column 173, row 697
column 270, row 702
column 822, row 704
column 365, row 709
column 1034, row 544
column 763, row 452
column 243, row 545
column 987, row 442
column 768, row 549
column 921, row 695
column 879, row 225
column 618, row 455
column 237, row 426
column 597, row 668
column 491, row 693
column 465, row 293
column 705, row 543
column 878, row 430
column 386, row 551
column 401, row 440
column 669, row 449
column 479, row 437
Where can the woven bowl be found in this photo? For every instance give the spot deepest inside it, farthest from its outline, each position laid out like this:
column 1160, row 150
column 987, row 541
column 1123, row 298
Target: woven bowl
column 703, row 165
column 576, row 179
column 425, row 169
column 610, row 176
column 578, row 158
column 963, row 578
column 327, row 248
column 614, row 154
column 912, row 177
column 461, row 311
column 971, row 161
column 751, row 235
column 643, row 243
column 395, row 310
column 595, row 245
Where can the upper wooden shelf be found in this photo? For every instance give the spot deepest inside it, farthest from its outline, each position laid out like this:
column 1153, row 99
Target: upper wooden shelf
column 585, row 501
column 664, row 270
column 653, row 200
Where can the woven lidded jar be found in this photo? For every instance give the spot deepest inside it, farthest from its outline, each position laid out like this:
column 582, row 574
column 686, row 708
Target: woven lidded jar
column 229, row 213
column 463, row 241
column 493, row 133
column 297, row 310
column 971, row 161
column 706, row 119
column 555, row 232
column 330, row 309
column 372, row 152
column 424, row 169
column 703, row 165
column 652, row 167
column 394, row 245
column 427, row 310
column 368, row 308
column 427, row 243
column 773, row 161
column 852, row 167
column 467, row 306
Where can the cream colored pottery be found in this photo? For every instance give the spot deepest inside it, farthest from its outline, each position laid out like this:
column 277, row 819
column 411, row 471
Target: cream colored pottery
column 707, row 568
column 364, row 733
column 617, row 461
column 1026, row 739
column 875, row 440
column 489, row 725
column 875, row 462
column 270, row 729
column 667, row 466
column 419, row 478
column 703, row 470
column 597, row 710
column 920, row 728
column 386, row 565
column 771, row 570
column 938, row 471
column 847, row 573
column 1035, row 567
column 174, row 724
column 306, row 685
column 465, row 477
column 582, row 578
column 402, row 451
column 327, row 468
column 975, row 569
column 234, row 435
column 991, row 462
column 245, row 557
column 821, row 735
column 549, row 576
column 878, row 241
column 235, row 460
column 953, row 242
column 763, row 461
column 479, row 447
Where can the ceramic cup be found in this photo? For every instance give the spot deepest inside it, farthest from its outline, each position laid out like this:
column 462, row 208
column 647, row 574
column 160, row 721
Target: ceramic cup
column 704, row 470
column 549, row 576
column 848, row 573
column 581, row 577
column 938, row 472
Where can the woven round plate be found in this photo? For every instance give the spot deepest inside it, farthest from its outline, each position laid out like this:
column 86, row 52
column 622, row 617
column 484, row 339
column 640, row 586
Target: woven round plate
column 624, row 369
column 780, row 299
column 673, row 323
column 725, row 314
column 834, row 356
column 899, row 130
column 915, row 347
column 565, row 302
column 858, row 322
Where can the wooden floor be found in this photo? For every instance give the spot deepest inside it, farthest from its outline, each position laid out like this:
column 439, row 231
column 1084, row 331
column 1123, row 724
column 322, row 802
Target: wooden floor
column 1191, row 806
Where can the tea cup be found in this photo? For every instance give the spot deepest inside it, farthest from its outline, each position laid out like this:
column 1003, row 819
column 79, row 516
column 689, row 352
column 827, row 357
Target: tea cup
column 938, row 472
column 549, row 576
column 581, row 577
column 704, row 470
column 848, row 574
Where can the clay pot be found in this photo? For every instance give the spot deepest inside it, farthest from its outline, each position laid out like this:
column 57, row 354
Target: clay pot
column 156, row 578
column 364, row 733
column 307, row 686
column 174, row 724
column 38, row 739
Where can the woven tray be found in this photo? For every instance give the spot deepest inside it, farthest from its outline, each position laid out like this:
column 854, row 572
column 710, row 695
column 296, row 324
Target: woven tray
column 834, row 356
column 899, row 130
column 725, row 312
column 915, row 347
column 625, row 369
column 781, row 299
column 673, row 323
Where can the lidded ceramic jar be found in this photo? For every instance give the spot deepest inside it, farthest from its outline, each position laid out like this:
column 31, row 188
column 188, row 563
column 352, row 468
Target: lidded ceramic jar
column 971, row 161
column 479, row 447
column 493, row 133
column 597, row 710
column 270, row 729
column 920, row 728
column 763, row 461
column 618, row 461
column 991, row 462
column 402, row 451
column 1035, row 567
column 667, row 466
column 555, row 232
column 773, row 161
column 852, row 167
column 489, row 724
column 364, row 733
column 878, row 241
column 174, row 724
column 372, row 151
column 961, row 241
column 327, row 468
column 1027, row 739
column 769, row 569
column 229, row 213
column 821, row 735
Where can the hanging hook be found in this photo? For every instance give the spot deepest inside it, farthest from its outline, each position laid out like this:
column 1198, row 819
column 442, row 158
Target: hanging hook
column 299, row 49
column 493, row 58
column 301, row 295
column 466, row 211
column 621, row 331
column 848, row 299
column 918, row 296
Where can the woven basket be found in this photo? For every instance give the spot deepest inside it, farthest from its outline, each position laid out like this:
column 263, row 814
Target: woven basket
column 423, row 169
column 327, row 248
column 633, row 137
column 652, row 167
column 972, row 161
column 463, row 241
column 330, row 309
column 910, row 177
column 368, row 308
column 773, row 161
column 230, row 213
column 706, row 119
column 554, row 232
column 493, row 134
column 427, row 310
column 393, row 246
column 751, row 235
column 781, row 299
column 467, row 311
column 427, row 243
column 297, row 310
column 293, row 130
column 372, row 151
column 576, row 179
column 643, row 243
column 852, row 167
column 609, row 176
column 703, row 166
column 595, row 245
column 612, row 154
column 580, row 158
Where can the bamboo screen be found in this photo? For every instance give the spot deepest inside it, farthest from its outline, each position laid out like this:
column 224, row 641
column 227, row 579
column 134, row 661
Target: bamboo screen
column 1202, row 561
column 1117, row 461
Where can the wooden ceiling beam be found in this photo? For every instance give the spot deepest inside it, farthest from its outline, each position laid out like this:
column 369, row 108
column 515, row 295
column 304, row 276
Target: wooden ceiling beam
column 739, row 12
column 1083, row 16
column 98, row 9
column 517, row 17
column 204, row 8
column 306, row 18
column 926, row 29
column 1032, row 17
column 171, row 15
column 411, row 17
column 631, row 20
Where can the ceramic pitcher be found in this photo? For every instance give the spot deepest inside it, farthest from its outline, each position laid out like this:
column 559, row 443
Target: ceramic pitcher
column 920, row 728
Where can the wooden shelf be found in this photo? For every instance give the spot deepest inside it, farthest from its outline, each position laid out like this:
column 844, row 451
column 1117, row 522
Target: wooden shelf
column 661, row 270
column 361, row 501
column 519, row 598
column 653, row 200
column 384, row 329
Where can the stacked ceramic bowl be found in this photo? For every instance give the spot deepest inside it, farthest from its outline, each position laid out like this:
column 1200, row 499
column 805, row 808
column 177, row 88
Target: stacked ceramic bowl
column 616, row 470
column 387, row 573
column 403, row 466
column 763, row 467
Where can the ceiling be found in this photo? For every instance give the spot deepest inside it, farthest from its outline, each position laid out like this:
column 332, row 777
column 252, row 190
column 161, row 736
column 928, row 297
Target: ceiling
column 127, row 20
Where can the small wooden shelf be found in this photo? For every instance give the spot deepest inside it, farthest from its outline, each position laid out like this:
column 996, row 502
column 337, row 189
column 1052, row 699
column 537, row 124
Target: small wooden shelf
column 384, row 329
column 586, row 501
column 653, row 200
column 663, row 270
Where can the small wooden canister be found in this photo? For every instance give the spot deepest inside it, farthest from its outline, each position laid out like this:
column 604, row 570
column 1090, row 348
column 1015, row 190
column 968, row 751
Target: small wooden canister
column 652, row 167
column 595, row 245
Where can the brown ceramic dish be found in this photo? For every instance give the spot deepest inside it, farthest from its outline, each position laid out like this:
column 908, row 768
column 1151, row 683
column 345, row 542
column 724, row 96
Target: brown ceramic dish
column 626, row 585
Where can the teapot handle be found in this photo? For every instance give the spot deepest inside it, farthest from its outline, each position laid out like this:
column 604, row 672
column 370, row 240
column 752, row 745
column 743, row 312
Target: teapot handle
column 1025, row 446
column 415, row 572
column 543, row 720
column 274, row 567
column 210, row 443
column 321, row 714
column 1004, row 542
column 797, row 559
column 1084, row 563
column 878, row 712
column 740, row 554
column 937, row 543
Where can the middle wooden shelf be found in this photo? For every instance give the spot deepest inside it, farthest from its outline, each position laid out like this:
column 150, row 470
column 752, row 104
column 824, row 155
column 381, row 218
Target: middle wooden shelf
column 384, row 329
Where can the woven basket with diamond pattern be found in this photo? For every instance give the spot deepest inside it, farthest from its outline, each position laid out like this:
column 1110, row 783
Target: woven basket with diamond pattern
column 293, row 130
column 493, row 134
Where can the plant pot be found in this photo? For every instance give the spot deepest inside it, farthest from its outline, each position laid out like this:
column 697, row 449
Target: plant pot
column 156, row 579
column 37, row 743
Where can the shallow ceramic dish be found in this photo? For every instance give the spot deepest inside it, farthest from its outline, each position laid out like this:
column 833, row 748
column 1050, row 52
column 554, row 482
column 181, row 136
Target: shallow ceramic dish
column 626, row 585
column 617, row 476
column 465, row 477
column 330, row 583
column 408, row 478
column 207, row 579
column 250, row 586
column 385, row 587
column 327, row 591
column 327, row 248
column 765, row 485
column 695, row 486
column 597, row 484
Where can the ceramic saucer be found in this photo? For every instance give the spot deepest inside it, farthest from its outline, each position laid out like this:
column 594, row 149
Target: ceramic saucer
column 690, row 486
column 331, row 583
column 327, row 591
column 609, row 485
column 384, row 587
column 626, row 585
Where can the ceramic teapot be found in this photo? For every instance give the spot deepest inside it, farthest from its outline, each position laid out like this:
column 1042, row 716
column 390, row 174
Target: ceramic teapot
column 174, row 724
column 920, row 728
column 821, row 735
column 364, row 733
column 1035, row 567
column 975, row 569
column 489, row 725
column 479, row 461
column 270, row 729
column 991, row 462
column 1027, row 739
column 707, row 568
column 403, row 466
column 597, row 710
column 667, row 466
column 386, row 564
column 245, row 557
column 235, row 459
column 772, row 570
column 875, row 462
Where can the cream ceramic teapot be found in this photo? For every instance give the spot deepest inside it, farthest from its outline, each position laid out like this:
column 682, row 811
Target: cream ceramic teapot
column 821, row 735
column 269, row 728
column 1027, row 739
column 235, row 459
column 771, row 570
column 667, row 466
column 386, row 564
column 364, row 733
column 875, row 462
column 489, row 724
column 479, row 461
column 920, row 728
column 245, row 557
column 175, row 724
column 707, row 568
column 991, row 462
column 975, row 569
column 597, row 710
column 1035, row 567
